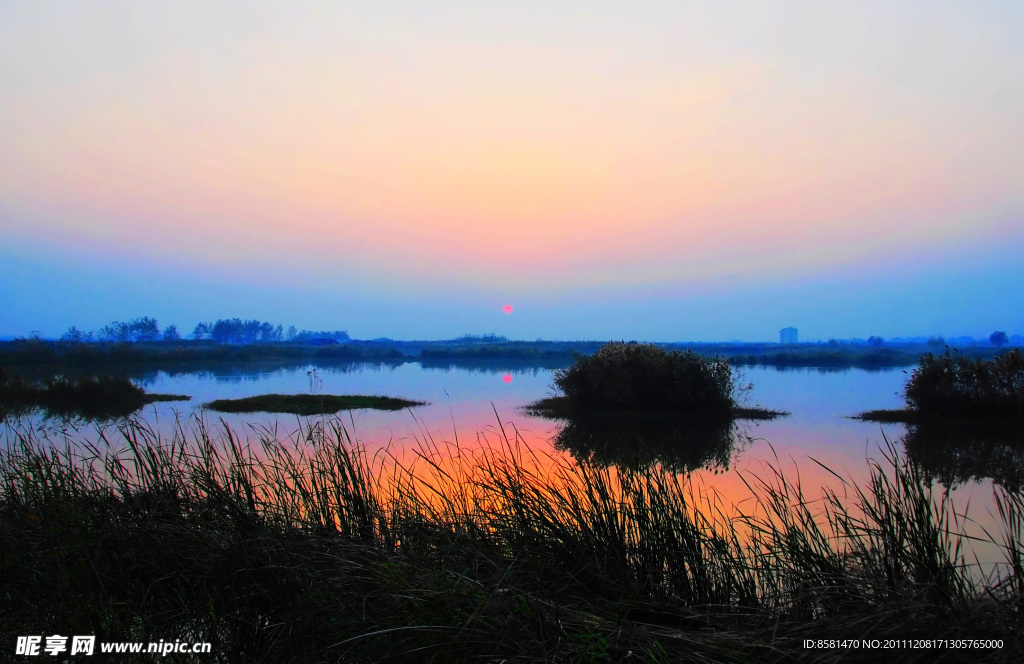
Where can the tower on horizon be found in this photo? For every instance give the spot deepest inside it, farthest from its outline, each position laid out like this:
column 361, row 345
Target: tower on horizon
column 787, row 335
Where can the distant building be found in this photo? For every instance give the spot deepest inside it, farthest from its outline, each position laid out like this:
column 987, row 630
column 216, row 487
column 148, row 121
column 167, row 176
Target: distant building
column 787, row 335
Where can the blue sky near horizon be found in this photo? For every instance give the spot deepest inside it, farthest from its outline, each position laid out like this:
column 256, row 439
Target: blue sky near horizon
column 674, row 171
column 960, row 296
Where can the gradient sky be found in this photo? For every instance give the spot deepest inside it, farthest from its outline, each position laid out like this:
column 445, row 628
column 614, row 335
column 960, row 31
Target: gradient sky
column 662, row 171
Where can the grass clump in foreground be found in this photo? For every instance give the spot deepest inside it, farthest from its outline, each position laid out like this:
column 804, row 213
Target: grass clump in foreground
column 89, row 397
column 952, row 387
column 305, row 551
column 308, row 404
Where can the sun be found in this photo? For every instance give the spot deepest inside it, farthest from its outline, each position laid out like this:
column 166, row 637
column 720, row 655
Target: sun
column 507, row 308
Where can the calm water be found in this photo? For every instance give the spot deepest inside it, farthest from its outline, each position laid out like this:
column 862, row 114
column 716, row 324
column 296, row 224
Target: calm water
column 464, row 401
column 479, row 401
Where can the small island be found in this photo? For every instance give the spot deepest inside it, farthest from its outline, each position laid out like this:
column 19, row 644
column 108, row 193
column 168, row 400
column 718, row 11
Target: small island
column 635, row 405
column 633, row 378
column 309, row 404
column 953, row 387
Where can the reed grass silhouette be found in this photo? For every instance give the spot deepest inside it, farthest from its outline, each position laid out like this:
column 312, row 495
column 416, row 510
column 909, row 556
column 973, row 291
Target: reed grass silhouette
column 307, row 549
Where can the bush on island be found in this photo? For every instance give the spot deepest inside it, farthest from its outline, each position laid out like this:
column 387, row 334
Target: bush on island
column 635, row 376
column 956, row 386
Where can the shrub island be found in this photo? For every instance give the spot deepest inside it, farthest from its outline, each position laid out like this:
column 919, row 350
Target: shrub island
column 634, row 378
column 953, row 387
column 309, row 404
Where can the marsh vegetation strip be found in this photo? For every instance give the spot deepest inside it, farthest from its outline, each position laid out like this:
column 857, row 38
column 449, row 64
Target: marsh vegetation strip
column 68, row 353
column 481, row 554
column 309, row 404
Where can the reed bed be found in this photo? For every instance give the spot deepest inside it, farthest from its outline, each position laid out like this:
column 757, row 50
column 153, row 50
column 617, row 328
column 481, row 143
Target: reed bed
column 305, row 548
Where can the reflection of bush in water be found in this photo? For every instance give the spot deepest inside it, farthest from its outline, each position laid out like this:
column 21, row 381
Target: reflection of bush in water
column 87, row 398
column 956, row 452
column 634, row 441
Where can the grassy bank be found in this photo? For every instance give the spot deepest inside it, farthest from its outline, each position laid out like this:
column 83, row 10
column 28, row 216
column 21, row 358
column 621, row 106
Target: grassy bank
column 309, row 404
column 304, row 550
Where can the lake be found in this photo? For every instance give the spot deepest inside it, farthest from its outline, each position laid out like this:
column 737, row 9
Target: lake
column 465, row 401
column 482, row 402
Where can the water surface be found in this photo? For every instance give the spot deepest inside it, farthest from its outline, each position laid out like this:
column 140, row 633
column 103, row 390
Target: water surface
column 483, row 402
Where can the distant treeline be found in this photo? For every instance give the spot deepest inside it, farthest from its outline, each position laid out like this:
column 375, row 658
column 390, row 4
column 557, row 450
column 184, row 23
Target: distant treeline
column 223, row 330
column 238, row 331
column 137, row 329
column 833, row 354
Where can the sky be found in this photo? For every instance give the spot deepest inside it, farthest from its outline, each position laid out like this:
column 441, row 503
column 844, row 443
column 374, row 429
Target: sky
column 660, row 171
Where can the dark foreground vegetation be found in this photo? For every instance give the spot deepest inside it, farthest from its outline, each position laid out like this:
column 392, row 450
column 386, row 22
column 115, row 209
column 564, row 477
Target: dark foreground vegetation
column 953, row 387
column 309, row 404
column 303, row 551
column 88, row 397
